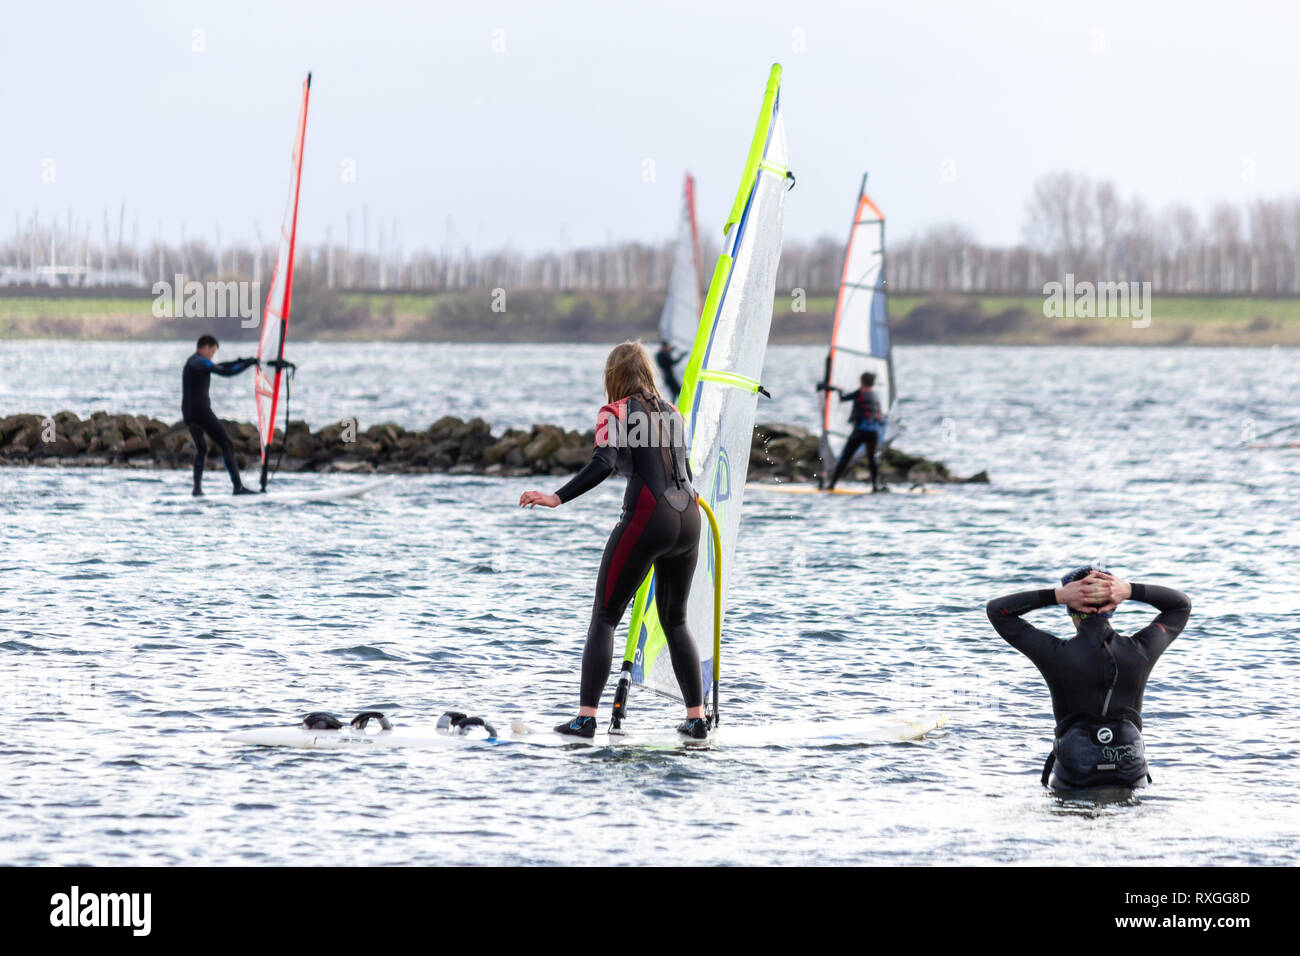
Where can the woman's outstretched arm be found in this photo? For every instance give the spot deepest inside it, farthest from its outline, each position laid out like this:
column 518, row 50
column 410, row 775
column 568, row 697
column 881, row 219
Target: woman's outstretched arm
column 593, row 473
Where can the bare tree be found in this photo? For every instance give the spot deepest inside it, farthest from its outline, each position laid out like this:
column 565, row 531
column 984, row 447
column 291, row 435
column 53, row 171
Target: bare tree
column 1060, row 219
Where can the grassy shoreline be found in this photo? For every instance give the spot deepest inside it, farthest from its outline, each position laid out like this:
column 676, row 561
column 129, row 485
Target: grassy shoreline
column 533, row 316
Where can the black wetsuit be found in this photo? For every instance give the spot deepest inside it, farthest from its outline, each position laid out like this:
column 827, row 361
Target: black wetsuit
column 660, row 526
column 865, row 417
column 668, row 360
column 1096, row 679
column 196, row 409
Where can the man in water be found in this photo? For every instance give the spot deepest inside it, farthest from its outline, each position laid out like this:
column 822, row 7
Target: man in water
column 196, row 409
column 667, row 360
column 868, row 423
column 1097, row 677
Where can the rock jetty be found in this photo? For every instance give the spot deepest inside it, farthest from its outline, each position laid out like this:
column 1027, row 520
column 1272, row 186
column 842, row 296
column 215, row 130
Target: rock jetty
column 778, row 453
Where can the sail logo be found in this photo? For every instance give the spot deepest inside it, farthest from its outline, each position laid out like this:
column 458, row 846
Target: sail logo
column 207, row 300
column 717, row 501
column 75, row 909
column 1098, row 300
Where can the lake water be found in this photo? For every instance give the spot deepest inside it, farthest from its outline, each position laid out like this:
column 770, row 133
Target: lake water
column 136, row 626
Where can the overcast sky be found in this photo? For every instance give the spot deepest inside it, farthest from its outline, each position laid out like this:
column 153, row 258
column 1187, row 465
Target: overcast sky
column 954, row 109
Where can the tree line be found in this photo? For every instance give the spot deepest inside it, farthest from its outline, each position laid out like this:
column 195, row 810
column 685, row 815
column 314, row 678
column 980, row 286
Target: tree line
column 1072, row 225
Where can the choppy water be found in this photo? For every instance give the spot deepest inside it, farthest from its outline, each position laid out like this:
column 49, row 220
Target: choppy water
column 136, row 626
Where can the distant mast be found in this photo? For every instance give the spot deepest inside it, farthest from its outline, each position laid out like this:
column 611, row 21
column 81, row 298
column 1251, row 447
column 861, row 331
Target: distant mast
column 860, row 340
column 681, row 313
column 275, row 317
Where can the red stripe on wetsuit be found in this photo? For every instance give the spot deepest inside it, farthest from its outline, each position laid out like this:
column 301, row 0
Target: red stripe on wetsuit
column 645, row 506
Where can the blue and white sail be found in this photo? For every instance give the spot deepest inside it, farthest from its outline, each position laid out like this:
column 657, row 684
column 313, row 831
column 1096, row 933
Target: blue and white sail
column 860, row 340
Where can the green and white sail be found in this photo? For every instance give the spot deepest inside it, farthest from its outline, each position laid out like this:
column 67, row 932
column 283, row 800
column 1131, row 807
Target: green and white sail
column 720, row 392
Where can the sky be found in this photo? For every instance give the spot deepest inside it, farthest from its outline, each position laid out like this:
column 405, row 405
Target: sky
column 545, row 126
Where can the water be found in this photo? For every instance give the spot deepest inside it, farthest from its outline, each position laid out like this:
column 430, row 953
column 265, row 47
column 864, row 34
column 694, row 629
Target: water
column 136, row 626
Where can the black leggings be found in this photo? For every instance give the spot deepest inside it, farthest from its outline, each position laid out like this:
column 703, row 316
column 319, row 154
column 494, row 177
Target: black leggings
column 654, row 533
column 859, row 437
column 206, row 421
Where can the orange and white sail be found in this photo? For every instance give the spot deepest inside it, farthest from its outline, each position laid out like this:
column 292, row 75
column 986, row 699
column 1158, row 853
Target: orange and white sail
column 860, row 340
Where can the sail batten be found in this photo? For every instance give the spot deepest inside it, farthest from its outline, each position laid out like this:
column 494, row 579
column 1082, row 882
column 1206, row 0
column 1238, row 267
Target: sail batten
column 269, row 374
column 860, row 339
column 720, row 393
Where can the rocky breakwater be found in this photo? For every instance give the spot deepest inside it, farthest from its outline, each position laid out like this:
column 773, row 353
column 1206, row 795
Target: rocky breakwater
column 788, row 453
column 449, row 445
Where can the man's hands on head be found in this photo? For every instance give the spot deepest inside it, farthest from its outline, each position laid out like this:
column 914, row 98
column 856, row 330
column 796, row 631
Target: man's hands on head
column 1098, row 593
column 1117, row 591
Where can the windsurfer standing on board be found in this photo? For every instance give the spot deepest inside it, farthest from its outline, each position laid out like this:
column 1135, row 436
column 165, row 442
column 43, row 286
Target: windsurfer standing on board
column 668, row 359
column 868, row 423
column 641, row 436
column 1097, row 677
column 196, row 409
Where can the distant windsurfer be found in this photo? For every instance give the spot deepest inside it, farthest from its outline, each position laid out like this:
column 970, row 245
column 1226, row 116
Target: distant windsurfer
column 668, row 357
column 1097, row 677
column 641, row 436
column 196, row 409
column 868, row 421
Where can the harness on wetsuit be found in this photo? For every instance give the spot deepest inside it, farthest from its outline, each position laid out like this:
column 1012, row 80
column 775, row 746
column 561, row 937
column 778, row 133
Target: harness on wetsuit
column 1092, row 751
column 676, row 464
column 866, row 413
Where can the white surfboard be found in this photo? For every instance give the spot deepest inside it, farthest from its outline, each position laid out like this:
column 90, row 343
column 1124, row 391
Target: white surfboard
column 282, row 495
column 821, row 733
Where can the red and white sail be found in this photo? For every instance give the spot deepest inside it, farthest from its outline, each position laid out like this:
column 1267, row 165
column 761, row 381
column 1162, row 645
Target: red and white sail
column 268, row 376
column 681, row 315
